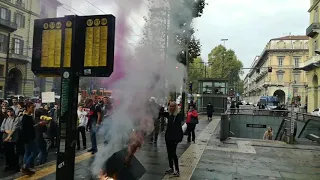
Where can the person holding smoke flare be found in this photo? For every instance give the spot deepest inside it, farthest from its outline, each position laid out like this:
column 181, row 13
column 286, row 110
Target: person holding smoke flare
column 173, row 136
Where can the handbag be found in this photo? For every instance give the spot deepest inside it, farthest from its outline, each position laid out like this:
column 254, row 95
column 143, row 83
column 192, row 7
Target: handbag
column 194, row 120
column 184, row 129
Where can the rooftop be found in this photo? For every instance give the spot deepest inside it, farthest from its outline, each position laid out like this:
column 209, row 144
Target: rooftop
column 298, row 37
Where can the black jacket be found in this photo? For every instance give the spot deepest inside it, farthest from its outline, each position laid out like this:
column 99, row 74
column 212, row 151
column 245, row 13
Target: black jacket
column 27, row 128
column 174, row 128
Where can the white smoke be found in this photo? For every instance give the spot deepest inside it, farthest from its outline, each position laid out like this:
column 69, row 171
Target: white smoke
column 147, row 73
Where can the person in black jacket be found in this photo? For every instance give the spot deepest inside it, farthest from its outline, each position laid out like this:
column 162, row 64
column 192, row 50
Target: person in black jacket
column 173, row 136
column 29, row 135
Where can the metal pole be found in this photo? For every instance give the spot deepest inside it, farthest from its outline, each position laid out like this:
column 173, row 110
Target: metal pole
column 291, row 119
column 183, row 107
column 67, row 135
column 7, row 68
column 205, row 71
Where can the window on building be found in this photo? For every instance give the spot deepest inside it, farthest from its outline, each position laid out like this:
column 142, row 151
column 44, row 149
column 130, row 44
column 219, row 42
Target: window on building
column 207, row 87
column 296, row 78
column 3, row 43
column 1, row 70
column 315, row 45
column 280, row 61
column 5, row 13
column 296, row 61
column 280, row 77
column 20, row 20
column 18, row 46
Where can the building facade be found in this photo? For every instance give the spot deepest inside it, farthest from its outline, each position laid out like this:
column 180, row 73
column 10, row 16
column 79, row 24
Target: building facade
column 16, row 40
column 283, row 55
column 311, row 66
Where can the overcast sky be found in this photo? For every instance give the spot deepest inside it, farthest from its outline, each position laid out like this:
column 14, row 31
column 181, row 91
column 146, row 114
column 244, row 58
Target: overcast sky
column 248, row 24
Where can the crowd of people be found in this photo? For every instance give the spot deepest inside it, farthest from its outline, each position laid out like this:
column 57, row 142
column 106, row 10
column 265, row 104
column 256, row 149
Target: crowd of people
column 29, row 130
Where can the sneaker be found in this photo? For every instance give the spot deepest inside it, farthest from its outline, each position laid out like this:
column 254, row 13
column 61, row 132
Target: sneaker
column 94, row 151
column 78, row 148
column 90, row 150
column 169, row 171
column 84, row 147
column 27, row 171
column 176, row 174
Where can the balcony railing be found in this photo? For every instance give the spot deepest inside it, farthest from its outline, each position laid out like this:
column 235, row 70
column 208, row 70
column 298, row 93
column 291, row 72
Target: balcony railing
column 7, row 24
column 313, row 29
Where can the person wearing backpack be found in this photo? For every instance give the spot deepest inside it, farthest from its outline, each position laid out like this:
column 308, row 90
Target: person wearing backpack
column 192, row 121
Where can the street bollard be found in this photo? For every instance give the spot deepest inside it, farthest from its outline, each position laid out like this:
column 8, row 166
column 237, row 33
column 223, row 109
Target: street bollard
column 224, row 127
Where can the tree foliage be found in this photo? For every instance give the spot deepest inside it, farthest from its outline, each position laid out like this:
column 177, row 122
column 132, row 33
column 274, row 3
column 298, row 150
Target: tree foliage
column 224, row 64
column 196, row 71
column 185, row 36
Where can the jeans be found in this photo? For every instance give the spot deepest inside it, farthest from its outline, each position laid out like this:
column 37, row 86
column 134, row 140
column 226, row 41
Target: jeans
column 172, row 154
column 31, row 151
column 43, row 151
column 93, row 137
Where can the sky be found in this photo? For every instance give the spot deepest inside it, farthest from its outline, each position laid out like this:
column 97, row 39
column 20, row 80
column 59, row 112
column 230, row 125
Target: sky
column 249, row 24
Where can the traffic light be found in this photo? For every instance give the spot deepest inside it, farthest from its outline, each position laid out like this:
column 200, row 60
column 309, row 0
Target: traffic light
column 269, row 69
column 258, row 70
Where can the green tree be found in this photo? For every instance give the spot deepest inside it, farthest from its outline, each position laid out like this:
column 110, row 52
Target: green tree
column 225, row 64
column 196, row 72
column 185, row 34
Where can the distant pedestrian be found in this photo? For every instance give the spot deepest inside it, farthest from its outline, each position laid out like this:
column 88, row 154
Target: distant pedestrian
column 94, row 121
column 82, row 123
column 209, row 111
column 268, row 134
column 192, row 121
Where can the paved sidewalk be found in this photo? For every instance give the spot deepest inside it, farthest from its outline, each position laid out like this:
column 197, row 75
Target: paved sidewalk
column 249, row 159
column 153, row 158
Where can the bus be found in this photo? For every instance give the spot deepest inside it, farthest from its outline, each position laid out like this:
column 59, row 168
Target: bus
column 270, row 102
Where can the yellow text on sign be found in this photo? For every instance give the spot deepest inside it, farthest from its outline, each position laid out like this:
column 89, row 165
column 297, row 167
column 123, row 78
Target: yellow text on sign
column 51, row 45
column 96, row 43
column 67, row 47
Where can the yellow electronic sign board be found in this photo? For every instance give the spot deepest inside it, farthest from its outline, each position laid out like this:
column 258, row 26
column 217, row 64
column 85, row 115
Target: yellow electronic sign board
column 96, row 42
column 80, row 43
column 52, row 45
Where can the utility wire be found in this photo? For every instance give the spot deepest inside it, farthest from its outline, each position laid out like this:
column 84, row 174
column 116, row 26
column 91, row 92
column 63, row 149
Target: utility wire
column 106, row 13
column 60, row 6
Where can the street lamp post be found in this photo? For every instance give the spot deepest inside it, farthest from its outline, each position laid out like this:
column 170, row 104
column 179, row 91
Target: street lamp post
column 224, row 45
